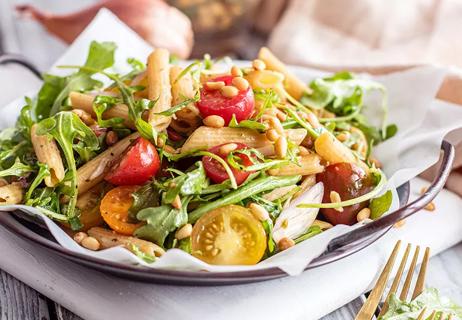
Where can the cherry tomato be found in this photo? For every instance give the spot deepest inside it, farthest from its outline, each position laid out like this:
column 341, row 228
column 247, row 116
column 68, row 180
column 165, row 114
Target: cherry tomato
column 114, row 210
column 139, row 164
column 350, row 181
column 212, row 102
column 228, row 235
column 215, row 170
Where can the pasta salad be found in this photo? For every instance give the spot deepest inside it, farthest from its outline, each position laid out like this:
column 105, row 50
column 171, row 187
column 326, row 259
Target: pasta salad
column 230, row 164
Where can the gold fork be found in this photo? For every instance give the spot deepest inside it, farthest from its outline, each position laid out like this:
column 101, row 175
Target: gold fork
column 372, row 302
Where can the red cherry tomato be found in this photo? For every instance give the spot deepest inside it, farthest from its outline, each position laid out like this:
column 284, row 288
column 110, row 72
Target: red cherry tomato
column 215, row 170
column 212, row 102
column 350, row 181
column 138, row 165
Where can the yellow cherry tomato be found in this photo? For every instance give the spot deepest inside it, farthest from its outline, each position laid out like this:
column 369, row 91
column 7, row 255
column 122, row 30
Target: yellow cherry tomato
column 228, row 236
column 114, row 209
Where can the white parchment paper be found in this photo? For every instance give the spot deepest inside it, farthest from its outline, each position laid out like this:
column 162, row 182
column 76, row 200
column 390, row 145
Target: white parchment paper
column 422, row 126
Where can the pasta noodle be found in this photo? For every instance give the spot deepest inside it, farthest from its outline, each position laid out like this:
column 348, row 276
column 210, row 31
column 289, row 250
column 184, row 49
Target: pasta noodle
column 294, row 86
column 85, row 102
column 109, row 239
column 207, row 137
column 332, row 150
column 93, row 172
column 188, row 118
column 48, row 153
column 309, row 164
column 159, row 89
column 11, row 193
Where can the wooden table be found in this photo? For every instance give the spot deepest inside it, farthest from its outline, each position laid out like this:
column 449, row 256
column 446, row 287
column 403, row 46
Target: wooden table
column 17, row 300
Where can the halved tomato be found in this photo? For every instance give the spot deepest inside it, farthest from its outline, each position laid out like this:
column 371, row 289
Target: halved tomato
column 114, row 210
column 228, row 235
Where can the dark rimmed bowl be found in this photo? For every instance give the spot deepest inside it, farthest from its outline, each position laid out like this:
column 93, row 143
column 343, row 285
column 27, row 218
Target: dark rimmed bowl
column 338, row 248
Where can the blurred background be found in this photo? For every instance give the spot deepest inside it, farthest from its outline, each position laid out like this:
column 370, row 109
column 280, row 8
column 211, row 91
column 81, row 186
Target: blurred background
column 333, row 33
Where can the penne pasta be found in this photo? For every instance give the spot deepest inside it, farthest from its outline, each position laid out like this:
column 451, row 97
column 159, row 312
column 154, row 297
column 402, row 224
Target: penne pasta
column 109, row 239
column 332, row 150
column 93, row 172
column 141, row 80
column 48, row 153
column 278, row 193
column 159, row 88
column 294, row 86
column 207, row 137
column 188, row 118
column 308, row 165
column 11, row 193
column 85, row 102
column 267, row 79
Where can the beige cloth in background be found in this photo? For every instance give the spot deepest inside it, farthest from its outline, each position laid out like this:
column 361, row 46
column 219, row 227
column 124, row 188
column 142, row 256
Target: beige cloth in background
column 378, row 37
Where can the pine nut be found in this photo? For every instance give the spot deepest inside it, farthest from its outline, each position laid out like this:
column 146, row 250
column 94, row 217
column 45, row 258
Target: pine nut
column 258, row 64
column 363, row 214
column 160, row 142
column 280, row 147
column 111, row 138
column 227, row 148
column 322, row 224
column 313, row 120
column 342, row 137
column 184, row 232
column 285, row 243
column 214, row 121
column 423, row 190
column 229, row 91
column 375, row 162
column 303, row 151
column 214, row 85
column 272, row 135
column 430, row 207
column 176, row 203
column 169, row 149
column 274, row 123
column 281, row 115
column 79, row 236
column 399, row 224
column 259, row 212
column 335, row 197
column 84, row 116
column 240, row 83
column 236, row 71
column 91, row 243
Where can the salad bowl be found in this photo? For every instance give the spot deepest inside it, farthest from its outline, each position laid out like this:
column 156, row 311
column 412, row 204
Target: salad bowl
column 338, row 248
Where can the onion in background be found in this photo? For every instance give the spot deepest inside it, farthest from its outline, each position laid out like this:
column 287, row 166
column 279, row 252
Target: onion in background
column 155, row 21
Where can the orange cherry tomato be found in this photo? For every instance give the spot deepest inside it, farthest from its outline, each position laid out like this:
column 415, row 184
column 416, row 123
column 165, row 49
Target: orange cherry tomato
column 228, row 235
column 114, row 209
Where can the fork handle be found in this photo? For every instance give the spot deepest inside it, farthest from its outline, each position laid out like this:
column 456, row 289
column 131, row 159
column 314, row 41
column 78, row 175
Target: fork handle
column 403, row 212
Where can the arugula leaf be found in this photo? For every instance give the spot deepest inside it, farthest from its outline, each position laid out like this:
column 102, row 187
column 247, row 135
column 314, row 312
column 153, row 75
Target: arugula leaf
column 42, row 174
column 429, row 298
column 140, row 254
column 56, row 89
column 160, row 221
column 185, row 245
column 171, row 111
column 249, row 124
column 144, row 197
column 380, row 205
column 189, row 183
column 18, row 169
column 100, row 105
column 311, row 232
column 70, row 133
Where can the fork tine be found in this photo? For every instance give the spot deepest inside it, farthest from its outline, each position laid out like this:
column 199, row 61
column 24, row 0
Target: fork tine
column 397, row 280
column 422, row 314
column 419, row 286
column 410, row 273
column 369, row 307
